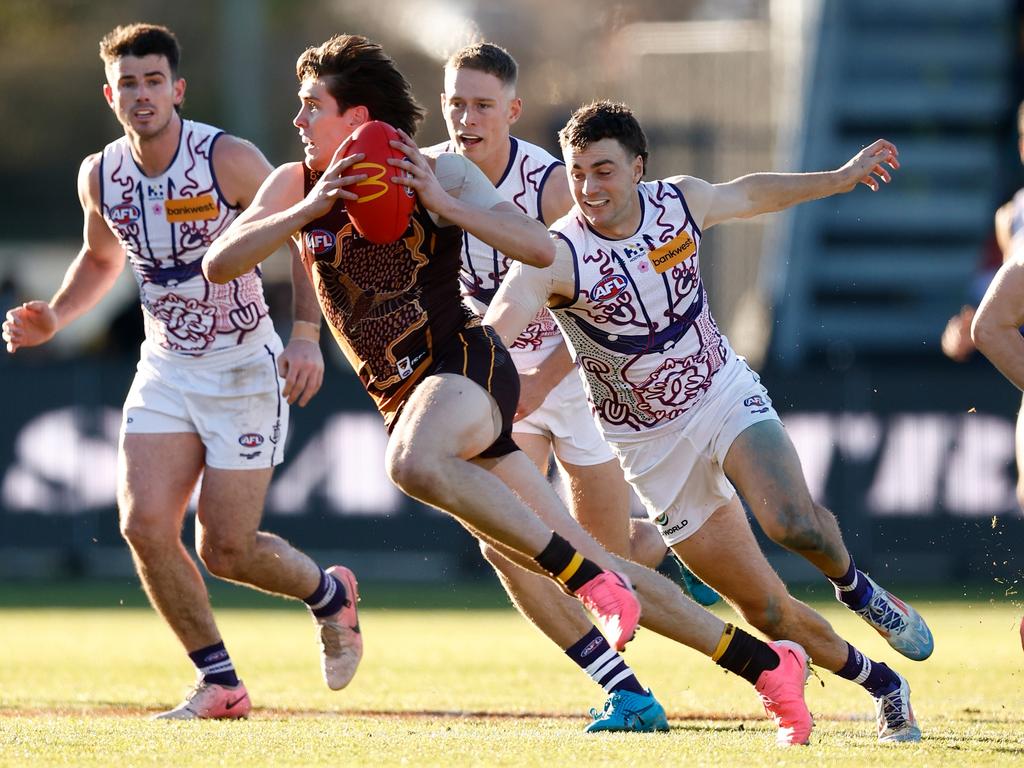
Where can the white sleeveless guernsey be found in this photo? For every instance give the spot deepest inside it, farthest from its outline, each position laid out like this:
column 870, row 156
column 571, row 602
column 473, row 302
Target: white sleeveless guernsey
column 165, row 224
column 483, row 267
column 639, row 321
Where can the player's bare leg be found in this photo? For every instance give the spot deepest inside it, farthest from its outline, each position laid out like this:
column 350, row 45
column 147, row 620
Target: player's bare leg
column 156, row 475
column 725, row 554
column 232, row 547
column 448, row 420
column 763, row 465
column 1019, row 453
column 230, row 543
column 599, row 499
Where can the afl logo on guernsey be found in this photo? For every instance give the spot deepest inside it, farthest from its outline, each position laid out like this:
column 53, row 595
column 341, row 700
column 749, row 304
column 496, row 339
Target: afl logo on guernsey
column 250, row 440
column 319, row 241
column 124, row 213
column 608, row 288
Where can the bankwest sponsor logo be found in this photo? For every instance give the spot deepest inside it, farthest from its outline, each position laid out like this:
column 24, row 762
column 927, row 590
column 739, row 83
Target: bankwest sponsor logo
column 202, row 208
column 678, row 250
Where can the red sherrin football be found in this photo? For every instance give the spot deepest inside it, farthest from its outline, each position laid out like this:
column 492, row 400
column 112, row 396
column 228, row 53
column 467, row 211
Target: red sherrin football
column 381, row 214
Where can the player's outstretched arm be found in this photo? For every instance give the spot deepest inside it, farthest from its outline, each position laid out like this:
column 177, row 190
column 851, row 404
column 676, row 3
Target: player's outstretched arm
column 526, row 290
column 471, row 202
column 760, row 193
column 86, row 280
column 278, row 212
column 996, row 326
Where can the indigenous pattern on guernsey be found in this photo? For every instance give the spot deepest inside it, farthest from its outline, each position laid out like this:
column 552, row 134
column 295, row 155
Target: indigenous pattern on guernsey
column 483, row 267
column 390, row 307
column 639, row 323
column 165, row 224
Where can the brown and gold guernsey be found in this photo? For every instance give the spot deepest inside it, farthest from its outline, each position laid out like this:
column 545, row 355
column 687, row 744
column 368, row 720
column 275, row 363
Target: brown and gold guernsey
column 390, row 307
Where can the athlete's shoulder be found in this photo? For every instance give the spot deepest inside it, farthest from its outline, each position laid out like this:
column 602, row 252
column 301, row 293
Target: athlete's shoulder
column 535, row 152
column 231, row 149
column 89, row 179
column 570, row 224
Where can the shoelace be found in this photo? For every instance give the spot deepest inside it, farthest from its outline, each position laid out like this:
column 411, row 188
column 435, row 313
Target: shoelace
column 608, row 706
column 884, row 614
column 891, row 710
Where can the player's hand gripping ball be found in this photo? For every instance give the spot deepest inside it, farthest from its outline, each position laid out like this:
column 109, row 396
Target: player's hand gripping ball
column 381, row 214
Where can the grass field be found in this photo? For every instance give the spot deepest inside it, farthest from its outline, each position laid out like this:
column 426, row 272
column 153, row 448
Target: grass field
column 466, row 683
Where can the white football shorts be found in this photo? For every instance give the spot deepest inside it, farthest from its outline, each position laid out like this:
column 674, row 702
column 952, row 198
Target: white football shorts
column 230, row 398
column 565, row 419
column 676, row 470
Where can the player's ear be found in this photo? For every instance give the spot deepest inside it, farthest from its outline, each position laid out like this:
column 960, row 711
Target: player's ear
column 108, row 94
column 179, row 91
column 356, row 116
column 638, row 169
column 515, row 110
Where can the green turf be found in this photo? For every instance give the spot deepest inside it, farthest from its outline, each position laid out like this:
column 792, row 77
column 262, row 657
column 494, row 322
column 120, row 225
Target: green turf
column 458, row 687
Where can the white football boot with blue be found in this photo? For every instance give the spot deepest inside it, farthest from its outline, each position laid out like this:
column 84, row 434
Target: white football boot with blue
column 900, row 625
column 895, row 716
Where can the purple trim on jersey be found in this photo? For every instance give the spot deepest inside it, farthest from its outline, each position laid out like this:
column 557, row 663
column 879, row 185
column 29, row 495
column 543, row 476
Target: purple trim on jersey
column 686, row 208
column 145, row 226
column 575, row 273
column 179, row 273
column 213, row 174
column 513, row 149
column 181, row 137
column 641, row 345
column 643, row 214
column 102, row 175
column 540, row 190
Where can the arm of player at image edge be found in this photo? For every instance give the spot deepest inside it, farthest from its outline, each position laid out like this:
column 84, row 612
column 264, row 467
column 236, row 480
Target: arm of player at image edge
column 759, row 193
column 997, row 323
column 88, row 278
column 457, row 192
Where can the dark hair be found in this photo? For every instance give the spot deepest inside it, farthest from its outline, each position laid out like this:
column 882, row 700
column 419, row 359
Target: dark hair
column 357, row 72
column 488, row 58
column 141, row 40
column 605, row 120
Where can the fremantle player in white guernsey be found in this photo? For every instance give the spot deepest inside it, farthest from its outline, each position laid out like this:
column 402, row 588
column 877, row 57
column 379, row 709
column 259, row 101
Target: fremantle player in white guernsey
column 686, row 417
column 211, row 394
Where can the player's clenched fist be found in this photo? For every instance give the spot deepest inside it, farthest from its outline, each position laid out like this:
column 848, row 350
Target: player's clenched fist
column 29, row 325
